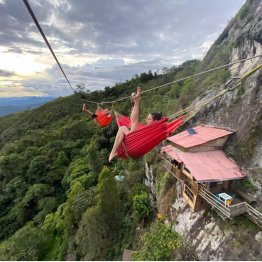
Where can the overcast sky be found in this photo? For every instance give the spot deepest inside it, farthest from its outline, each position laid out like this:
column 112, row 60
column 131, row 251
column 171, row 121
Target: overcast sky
column 101, row 42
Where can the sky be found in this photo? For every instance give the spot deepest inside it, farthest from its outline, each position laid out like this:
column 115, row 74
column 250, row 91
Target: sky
column 102, row 42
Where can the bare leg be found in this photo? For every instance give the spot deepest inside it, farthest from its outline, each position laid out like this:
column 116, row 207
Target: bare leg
column 122, row 131
column 135, row 111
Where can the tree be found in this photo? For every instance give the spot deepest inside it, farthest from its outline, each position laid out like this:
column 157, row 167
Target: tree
column 16, row 188
column 45, row 206
column 144, row 77
column 75, row 189
column 141, row 205
column 93, row 237
column 38, row 168
column 77, row 168
column 136, row 189
column 94, row 158
column 61, row 160
column 54, row 223
column 100, row 224
column 108, row 197
column 81, row 89
column 11, row 166
column 28, row 243
column 35, row 193
column 32, row 152
column 158, row 243
column 81, row 203
column 77, row 129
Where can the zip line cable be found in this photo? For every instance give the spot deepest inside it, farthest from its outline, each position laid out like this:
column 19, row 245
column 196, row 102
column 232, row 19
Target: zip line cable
column 187, row 77
column 145, row 91
column 194, row 109
column 45, row 39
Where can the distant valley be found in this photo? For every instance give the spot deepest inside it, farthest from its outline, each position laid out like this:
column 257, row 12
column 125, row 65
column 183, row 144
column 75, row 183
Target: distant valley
column 12, row 105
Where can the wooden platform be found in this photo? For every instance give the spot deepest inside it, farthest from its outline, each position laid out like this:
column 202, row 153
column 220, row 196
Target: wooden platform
column 246, row 196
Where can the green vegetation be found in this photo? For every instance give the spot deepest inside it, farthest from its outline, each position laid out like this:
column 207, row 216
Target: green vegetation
column 158, row 243
column 28, row 243
column 141, row 205
column 243, row 150
column 100, row 223
column 58, row 195
column 58, row 186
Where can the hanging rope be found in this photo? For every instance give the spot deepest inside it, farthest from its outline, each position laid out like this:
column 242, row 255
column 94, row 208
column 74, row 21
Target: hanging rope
column 45, row 39
column 52, row 52
column 145, row 91
column 188, row 77
column 191, row 111
column 191, row 76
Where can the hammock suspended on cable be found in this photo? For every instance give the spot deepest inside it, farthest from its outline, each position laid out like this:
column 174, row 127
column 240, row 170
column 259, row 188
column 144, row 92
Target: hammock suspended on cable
column 141, row 141
column 102, row 119
column 122, row 120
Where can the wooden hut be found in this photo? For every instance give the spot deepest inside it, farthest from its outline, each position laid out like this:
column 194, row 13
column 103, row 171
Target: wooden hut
column 200, row 138
column 195, row 157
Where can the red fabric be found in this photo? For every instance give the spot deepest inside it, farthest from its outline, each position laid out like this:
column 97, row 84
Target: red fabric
column 125, row 121
column 141, row 141
column 174, row 125
column 102, row 119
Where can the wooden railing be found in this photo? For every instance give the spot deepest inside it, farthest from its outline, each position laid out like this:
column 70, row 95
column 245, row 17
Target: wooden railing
column 169, row 166
column 237, row 209
column 190, row 194
column 232, row 210
column 224, row 211
column 254, row 215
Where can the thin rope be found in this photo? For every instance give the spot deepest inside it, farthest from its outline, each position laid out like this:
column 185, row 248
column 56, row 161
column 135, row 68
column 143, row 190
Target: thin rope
column 51, row 50
column 197, row 107
column 187, row 77
column 194, row 109
column 191, row 111
column 45, row 39
column 250, row 72
column 145, row 91
column 87, row 101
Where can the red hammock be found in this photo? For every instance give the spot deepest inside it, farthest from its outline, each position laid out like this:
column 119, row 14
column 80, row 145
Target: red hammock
column 102, row 119
column 141, row 141
column 125, row 121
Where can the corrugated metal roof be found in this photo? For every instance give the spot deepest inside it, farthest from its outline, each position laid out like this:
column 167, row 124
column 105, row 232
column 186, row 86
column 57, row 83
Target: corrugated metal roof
column 171, row 151
column 203, row 135
column 207, row 166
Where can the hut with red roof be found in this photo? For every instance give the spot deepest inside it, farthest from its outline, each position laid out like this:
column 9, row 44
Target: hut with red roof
column 195, row 157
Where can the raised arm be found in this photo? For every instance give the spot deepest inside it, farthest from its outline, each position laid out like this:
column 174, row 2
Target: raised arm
column 85, row 110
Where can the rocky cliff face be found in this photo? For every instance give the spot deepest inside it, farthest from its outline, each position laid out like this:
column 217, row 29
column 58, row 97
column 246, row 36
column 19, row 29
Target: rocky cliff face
column 241, row 110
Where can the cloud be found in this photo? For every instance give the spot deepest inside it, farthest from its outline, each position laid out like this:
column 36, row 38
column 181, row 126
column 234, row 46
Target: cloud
column 6, row 73
column 103, row 42
column 16, row 89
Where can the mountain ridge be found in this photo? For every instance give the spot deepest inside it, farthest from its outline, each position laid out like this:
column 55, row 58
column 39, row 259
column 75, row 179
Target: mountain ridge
column 56, row 192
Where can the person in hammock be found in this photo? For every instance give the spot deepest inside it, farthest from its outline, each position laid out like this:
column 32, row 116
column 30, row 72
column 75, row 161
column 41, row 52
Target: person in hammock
column 123, row 130
column 103, row 117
